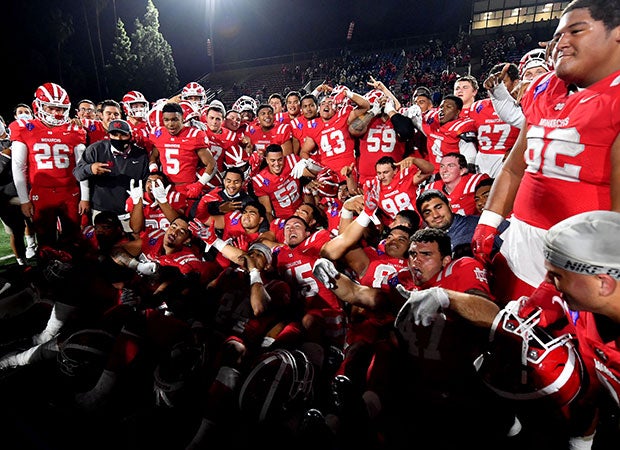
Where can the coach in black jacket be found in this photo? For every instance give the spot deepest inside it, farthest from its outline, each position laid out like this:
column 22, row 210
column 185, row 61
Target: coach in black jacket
column 109, row 166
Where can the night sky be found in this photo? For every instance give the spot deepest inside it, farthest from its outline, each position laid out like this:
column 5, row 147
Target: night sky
column 242, row 29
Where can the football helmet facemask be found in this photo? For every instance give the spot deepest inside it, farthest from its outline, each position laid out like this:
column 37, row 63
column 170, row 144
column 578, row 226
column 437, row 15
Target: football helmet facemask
column 280, row 381
column 244, row 103
column 533, row 58
column 328, row 183
column 82, row 357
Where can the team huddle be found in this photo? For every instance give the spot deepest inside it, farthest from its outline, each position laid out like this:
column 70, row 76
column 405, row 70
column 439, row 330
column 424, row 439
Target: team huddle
column 334, row 264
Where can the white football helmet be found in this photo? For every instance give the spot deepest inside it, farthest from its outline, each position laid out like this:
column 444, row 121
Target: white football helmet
column 533, row 58
column 244, row 103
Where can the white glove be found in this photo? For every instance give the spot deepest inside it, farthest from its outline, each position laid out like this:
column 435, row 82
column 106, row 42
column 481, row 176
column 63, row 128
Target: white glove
column 415, row 114
column 389, row 106
column 310, row 164
column 299, row 168
column 422, row 307
column 376, row 108
column 143, row 268
column 325, row 271
column 160, row 193
column 135, row 192
column 581, row 442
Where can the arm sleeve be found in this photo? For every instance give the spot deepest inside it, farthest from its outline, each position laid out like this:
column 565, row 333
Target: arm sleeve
column 506, row 106
column 19, row 160
column 82, row 168
column 468, row 149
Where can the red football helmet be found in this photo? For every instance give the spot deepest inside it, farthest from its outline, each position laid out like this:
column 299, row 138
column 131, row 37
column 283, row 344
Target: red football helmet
column 155, row 117
column 525, row 362
column 329, row 182
column 373, row 96
column 135, row 105
column 338, row 96
column 279, row 381
column 194, row 89
column 243, row 103
column 189, row 111
column 54, row 96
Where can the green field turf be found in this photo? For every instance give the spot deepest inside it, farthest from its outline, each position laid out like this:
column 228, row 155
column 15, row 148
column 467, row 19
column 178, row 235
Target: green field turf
column 6, row 255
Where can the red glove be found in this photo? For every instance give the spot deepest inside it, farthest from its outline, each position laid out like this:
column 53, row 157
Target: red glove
column 371, row 196
column 194, row 190
column 207, row 235
column 241, row 242
column 482, row 243
column 484, row 235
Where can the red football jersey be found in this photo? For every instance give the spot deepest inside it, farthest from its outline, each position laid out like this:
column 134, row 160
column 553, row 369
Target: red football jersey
column 336, row 146
column 441, row 350
column 283, row 190
column 295, row 265
column 177, row 154
column 380, row 266
column 602, row 356
column 303, row 128
column 462, row 197
column 569, row 139
column 494, row 135
column 442, row 139
column 51, row 151
column 154, row 218
column 185, row 259
column 234, row 315
column 400, row 194
column 224, row 146
column 279, row 134
column 380, row 140
column 94, row 130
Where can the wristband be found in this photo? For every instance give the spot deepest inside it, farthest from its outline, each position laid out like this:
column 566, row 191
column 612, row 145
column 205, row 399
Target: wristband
column 219, row 244
column 206, row 177
column 133, row 264
column 153, row 167
column 255, row 276
column 346, row 214
column 349, row 94
column 363, row 219
column 490, row 218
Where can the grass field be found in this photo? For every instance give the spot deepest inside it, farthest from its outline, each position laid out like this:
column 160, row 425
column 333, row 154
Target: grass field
column 6, row 255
